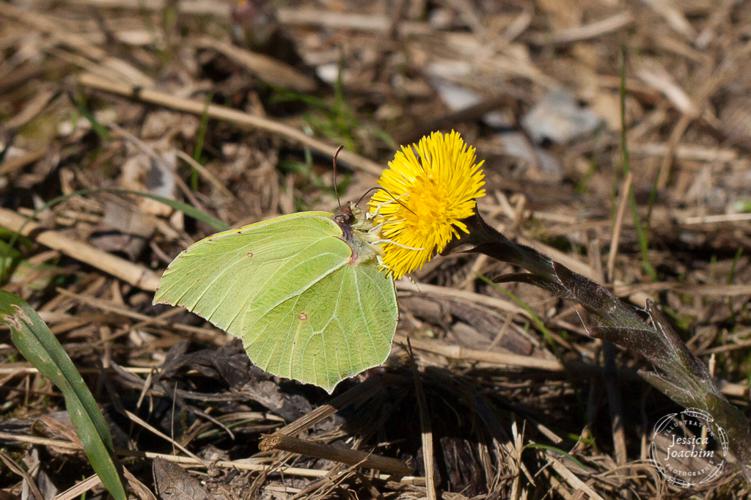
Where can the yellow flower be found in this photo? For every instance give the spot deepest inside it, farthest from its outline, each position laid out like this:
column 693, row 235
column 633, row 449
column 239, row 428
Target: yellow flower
column 423, row 199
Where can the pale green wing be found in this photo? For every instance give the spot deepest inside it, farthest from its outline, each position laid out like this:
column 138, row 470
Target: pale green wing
column 287, row 288
column 338, row 327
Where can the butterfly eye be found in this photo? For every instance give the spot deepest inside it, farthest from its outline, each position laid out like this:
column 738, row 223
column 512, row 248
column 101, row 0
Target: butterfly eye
column 343, row 219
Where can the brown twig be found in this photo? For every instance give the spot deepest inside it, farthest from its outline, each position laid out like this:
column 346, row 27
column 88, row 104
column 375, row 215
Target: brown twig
column 328, row 452
column 587, row 31
column 625, row 189
column 454, row 351
column 244, row 465
column 129, row 272
column 615, row 401
column 230, row 115
column 356, row 394
column 14, row 467
column 16, row 163
column 426, row 431
column 266, row 68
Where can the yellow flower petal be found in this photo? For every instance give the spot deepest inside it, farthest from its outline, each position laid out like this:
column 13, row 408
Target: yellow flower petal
column 425, row 193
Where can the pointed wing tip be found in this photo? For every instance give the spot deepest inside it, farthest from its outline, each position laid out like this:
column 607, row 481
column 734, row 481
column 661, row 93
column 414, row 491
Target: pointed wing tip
column 329, row 388
column 161, row 297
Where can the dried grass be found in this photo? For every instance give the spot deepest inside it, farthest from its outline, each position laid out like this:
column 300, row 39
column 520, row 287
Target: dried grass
column 111, row 93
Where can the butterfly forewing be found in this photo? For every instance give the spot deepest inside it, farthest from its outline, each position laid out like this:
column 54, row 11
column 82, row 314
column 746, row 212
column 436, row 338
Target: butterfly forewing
column 289, row 289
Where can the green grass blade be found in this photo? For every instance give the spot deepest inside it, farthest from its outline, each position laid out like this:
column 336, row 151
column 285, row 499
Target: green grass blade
column 537, row 321
column 188, row 210
column 83, row 109
column 38, row 345
column 556, row 451
column 198, row 149
column 641, row 231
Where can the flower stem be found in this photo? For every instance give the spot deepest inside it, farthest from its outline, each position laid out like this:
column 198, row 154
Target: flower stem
column 677, row 372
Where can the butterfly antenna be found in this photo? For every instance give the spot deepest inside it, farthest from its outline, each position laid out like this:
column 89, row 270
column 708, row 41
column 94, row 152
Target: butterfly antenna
column 385, row 191
column 370, row 190
column 336, row 189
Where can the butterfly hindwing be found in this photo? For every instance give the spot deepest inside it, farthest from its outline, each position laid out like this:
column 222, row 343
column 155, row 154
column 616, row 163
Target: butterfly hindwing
column 290, row 290
column 338, row 327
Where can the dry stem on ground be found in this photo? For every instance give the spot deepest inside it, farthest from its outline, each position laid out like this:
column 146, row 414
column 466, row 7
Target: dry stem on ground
column 236, row 111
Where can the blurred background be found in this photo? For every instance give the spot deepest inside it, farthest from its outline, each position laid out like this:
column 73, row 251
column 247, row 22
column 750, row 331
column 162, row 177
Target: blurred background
column 236, row 108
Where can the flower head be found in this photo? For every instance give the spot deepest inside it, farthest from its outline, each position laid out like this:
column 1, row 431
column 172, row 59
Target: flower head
column 425, row 193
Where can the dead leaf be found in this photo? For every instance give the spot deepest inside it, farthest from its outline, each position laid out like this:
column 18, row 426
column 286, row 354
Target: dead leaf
column 173, row 483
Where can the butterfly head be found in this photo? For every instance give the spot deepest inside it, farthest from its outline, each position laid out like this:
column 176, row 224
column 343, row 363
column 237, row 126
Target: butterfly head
column 351, row 217
column 357, row 231
column 345, row 217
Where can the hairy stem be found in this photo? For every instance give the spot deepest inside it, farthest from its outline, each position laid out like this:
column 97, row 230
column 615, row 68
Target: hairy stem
column 677, row 372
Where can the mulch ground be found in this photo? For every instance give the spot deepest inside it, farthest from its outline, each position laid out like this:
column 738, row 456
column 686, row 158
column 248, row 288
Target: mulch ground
column 236, row 108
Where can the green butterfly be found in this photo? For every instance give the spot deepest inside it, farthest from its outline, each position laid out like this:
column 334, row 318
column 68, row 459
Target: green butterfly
column 303, row 291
